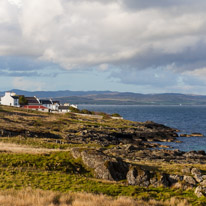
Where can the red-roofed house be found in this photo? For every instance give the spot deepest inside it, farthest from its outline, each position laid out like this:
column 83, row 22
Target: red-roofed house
column 36, row 108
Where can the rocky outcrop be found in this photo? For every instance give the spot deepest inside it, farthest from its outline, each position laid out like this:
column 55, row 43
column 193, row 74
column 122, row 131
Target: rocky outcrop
column 192, row 135
column 138, row 132
column 115, row 169
column 140, row 151
column 138, row 177
column 105, row 167
column 26, row 133
column 145, row 178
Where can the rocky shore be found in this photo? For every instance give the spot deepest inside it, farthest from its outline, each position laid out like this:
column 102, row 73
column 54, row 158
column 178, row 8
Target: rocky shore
column 114, row 150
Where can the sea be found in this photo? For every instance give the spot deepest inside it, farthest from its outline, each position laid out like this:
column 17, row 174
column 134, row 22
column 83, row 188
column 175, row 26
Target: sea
column 187, row 119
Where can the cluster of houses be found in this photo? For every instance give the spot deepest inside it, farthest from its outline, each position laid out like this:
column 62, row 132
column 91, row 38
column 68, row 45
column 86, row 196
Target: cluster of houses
column 34, row 103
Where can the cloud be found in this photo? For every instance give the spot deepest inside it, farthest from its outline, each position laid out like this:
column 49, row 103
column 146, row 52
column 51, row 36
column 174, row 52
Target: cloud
column 130, row 35
column 29, row 67
column 138, row 4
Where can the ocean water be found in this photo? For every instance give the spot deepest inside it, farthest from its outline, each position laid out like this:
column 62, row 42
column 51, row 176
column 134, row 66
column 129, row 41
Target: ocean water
column 188, row 119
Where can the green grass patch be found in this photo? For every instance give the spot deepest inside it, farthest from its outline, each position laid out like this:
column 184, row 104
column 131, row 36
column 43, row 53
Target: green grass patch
column 64, row 182
column 56, row 161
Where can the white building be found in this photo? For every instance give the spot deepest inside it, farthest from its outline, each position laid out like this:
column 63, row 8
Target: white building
column 50, row 104
column 10, row 99
column 64, row 109
column 71, row 105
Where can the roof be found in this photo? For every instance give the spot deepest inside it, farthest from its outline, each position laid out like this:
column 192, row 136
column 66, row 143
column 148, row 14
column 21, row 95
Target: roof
column 15, row 97
column 64, row 107
column 34, row 107
column 32, row 100
column 45, row 101
column 56, row 102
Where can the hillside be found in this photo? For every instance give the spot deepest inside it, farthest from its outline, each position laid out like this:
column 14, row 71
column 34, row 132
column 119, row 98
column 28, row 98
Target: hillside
column 98, row 155
column 117, row 98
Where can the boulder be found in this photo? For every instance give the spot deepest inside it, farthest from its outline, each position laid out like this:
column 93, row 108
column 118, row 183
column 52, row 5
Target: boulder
column 76, row 152
column 189, row 180
column 186, row 170
column 200, row 191
column 196, row 134
column 198, row 178
column 138, row 176
column 203, row 183
column 195, row 171
column 131, row 176
column 164, row 180
column 174, row 179
column 105, row 167
column 192, row 135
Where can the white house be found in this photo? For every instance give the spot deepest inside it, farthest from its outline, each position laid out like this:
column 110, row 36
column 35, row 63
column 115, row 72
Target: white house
column 10, row 99
column 50, row 104
column 71, row 105
column 55, row 105
column 64, row 109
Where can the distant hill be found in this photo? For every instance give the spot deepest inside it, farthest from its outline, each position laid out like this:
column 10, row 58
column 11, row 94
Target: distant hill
column 119, row 98
column 53, row 94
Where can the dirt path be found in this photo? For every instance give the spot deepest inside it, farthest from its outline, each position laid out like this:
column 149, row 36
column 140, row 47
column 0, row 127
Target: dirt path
column 15, row 148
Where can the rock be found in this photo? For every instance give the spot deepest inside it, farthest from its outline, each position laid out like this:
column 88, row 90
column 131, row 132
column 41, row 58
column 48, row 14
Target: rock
column 201, row 152
column 177, row 185
column 76, row 152
column 204, row 177
column 198, row 178
column 195, row 171
column 138, row 177
column 192, row 135
column 105, row 167
column 154, row 182
column 186, row 170
column 164, row 180
column 203, row 183
column 184, row 135
column 197, row 135
column 174, row 179
column 190, row 180
column 130, row 147
column 131, row 176
column 200, row 191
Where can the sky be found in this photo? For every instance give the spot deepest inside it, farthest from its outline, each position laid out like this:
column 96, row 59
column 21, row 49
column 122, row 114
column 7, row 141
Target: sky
column 118, row 45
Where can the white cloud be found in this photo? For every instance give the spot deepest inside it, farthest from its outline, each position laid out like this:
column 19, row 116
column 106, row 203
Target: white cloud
column 17, row 3
column 126, row 34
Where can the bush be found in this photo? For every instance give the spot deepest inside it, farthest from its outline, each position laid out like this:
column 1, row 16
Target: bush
column 85, row 111
column 22, row 100
column 116, row 115
column 75, row 110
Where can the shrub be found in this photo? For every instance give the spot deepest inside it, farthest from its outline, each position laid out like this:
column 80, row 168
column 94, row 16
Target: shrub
column 22, row 100
column 73, row 109
column 85, row 111
column 116, row 115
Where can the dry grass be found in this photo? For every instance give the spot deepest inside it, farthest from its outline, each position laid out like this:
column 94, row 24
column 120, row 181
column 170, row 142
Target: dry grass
column 15, row 148
column 29, row 197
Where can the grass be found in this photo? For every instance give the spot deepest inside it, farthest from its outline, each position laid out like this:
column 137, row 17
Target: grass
column 58, row 171
column 64, row 182
column 56, row 161
column 35, row 142
column 44, row 198
column 46, row 143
